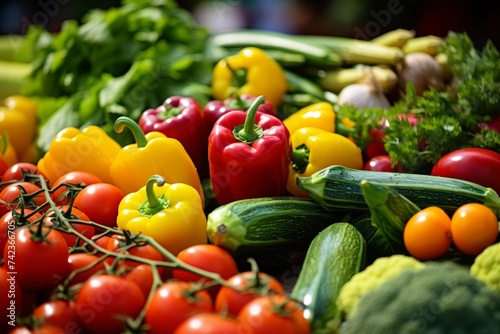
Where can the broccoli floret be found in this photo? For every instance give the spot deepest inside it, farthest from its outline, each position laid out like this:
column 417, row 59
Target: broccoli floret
column 486, row 267
column 380, row 271
column 439, row 298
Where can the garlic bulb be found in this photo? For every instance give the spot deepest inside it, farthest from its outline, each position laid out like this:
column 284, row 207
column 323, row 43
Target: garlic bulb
column 367, row 94
column 422, row 70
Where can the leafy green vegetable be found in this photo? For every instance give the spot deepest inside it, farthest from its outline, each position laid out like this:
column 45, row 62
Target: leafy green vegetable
column 447, row 120
column 118, row 61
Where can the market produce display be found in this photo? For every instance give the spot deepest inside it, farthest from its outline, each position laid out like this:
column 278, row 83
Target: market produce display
column 157, row 177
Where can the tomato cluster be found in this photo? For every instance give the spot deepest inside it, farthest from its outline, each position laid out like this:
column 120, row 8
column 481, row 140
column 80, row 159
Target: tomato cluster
column 67, row 268
column 431, row 232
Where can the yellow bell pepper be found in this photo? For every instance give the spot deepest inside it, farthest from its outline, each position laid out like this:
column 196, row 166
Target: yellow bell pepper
column 153, row 153
column 90, row 150
column 18, row 119
column 7, row 152
column 318, row 115
column 172, row 214
column 251, row 71
column 315, row 149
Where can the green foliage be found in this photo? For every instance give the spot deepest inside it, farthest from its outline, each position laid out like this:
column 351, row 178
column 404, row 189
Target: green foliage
column 119, row 61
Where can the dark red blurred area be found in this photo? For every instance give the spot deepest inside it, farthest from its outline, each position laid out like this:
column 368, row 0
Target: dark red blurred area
column 364, row 19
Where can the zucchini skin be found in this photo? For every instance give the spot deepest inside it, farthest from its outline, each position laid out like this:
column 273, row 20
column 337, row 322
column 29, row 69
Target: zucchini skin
column 315, row 53
column 254, row 225
column 335, row 255
column 339, row 187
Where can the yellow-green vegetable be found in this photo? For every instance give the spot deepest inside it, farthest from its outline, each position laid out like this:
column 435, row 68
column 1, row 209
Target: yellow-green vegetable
column 380, row 271
column 486, row 267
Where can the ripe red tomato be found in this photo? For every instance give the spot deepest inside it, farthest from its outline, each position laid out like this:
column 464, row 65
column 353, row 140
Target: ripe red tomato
column 105, row 300
column 212, row 323
column 11, row 195
column 78, row 261
column 274, row 314
column 38, row 255
column 172, row 304
column 12, row 220
column 472, row 164
column 100, row 201
column 17, row 171
column 143, row 276
column 59, row 313
column 207, row 257
column 79, row 178
column 3, row 167
column 118, row 244
column 493, row 124
column 40, row 329
column 380, row 163
column 72, row 213
column 232, row 300
column 11, row 301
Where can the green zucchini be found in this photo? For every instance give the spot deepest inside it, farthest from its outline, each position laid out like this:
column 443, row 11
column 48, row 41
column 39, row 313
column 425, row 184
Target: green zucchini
column 337, row 187
column 335, row 255
column 376, row 243
column 314, row 52
column 254, row 225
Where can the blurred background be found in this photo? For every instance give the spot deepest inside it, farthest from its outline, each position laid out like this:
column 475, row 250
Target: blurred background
column 362, row 19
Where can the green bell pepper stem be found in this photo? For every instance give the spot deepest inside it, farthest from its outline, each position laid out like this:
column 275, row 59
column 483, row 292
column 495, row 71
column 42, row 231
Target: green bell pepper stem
column 250, row 132
column 139, row 136
column 300, row 158
column 153, row 203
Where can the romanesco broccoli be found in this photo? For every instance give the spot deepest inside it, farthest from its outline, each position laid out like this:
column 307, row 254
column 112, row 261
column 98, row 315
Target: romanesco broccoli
column 486, row 267
column 380, row 271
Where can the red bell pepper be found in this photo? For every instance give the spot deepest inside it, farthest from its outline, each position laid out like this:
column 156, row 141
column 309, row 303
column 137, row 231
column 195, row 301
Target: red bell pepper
column 181, row 118
column 249, row 154
column 216, row 108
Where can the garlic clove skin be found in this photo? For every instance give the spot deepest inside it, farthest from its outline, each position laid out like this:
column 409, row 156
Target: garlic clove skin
column 368, row 94
column 423, row 71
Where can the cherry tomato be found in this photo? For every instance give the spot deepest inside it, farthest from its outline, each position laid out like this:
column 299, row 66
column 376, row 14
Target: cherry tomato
column 11, row 300
column 207, row 257
column 142, row 274
column 11, row 195
column 72, row 213
column 380, row 163
column 12, row 220
column 427, row 235
column 172, row 303
column 212, row 323
column 41, row 329
column 59, row 313
column 77, row 178
column 80, row 261
column 104, row 301
column 473, row 164
column 493, row 124
column 17, row 171
column 38, row 255
column 232, row 300
column 474, row 227
column 100, row 201
column 100, row 241
column 274, row 314
column 118, row 244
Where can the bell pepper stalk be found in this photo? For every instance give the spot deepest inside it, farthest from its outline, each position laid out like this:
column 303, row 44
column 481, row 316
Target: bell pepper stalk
column 216, row 108
column 152, row 154
column 318, row 115
column 181, row 118
column 250, row 71
column 171, row 214
column 249, row 153
column 89, row 150
column 315, row 149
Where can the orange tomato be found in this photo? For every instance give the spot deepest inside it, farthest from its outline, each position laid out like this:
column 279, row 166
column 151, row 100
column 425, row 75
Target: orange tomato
column 474, row 227
column 427, row 234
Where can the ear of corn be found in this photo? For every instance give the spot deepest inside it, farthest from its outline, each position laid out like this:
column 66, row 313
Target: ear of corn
column 429, row 44
column 395, row 38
